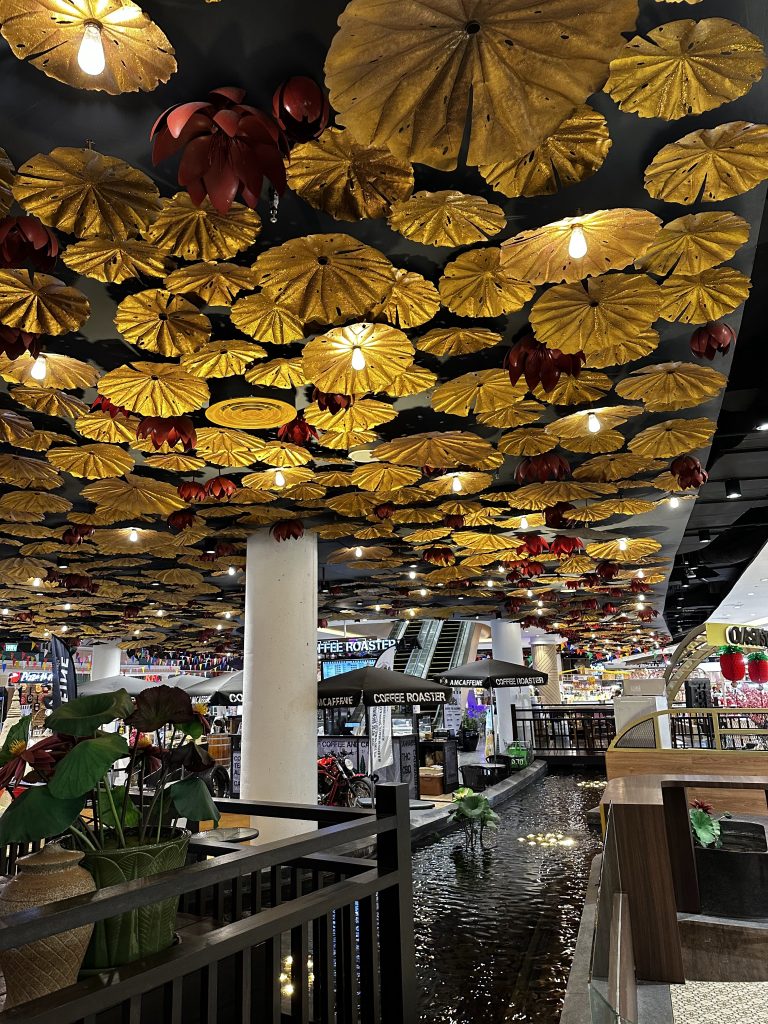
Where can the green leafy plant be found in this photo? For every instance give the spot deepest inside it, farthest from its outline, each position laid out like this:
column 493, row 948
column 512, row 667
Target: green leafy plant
column 704, row 825
column 473, row 812
column 469, row 724
column 64, row 783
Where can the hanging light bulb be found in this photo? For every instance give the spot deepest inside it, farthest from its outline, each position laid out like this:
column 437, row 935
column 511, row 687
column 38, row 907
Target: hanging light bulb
column 674, row 502
column 456, row 484
column 423, row 591
column 412, row 575
column 36, row 582
column 529, row 593
column 623, row 544
column 64, row 628
column 6, row 611
column 640, row 574
column 524, row 523
column 539, row 611
column 377, row 607
column 39, row 369
column 231, row 570
column 90, row 56
column 489, row 583
column 411, row 612
column 67, row 607
column 358, row 552
column 594, row 426
column 358, row 358
column 577, row 243
column 227, row 615
column 133, row 536
column 279, row 478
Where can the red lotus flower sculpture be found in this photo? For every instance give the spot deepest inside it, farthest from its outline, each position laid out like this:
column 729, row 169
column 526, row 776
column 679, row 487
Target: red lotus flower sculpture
column 610, row 608
column 77, row 581
column 588, row 605
column 385, row 510
column 530, row 569
column 556, row 517
column 453, row 521
column 25, row 242
column 647, row 614
column 220, row 488
column 540, row 365
column 439, row 556
column 535, row 620
column 298, row 431
column 512, row 607
column 102, row 404
column 688, row 471
column 181, row 520
column 227, row 147
column 170, row 430
column 191, row 490
column 77, row 534
column 301, row 108
column 564, row 546
column 14, row 343
column 607, row 570
column 131, row 612
column 639, row 587
column 223, row 549
column 287, row 529
column 331, row 401
column 540, row 468
column 574, row 584
column 535, row 545
column 712, row 338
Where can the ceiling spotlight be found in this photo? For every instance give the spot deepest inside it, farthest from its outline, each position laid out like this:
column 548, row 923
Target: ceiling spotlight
column 64, row 628
column 762, row 426
column 67, row 607
column 539, row 611
column 377, row 607
column 90, row 56
column 641, row 598
column 358, row 552
column 524, row 522
column 159, row 613
column 227, row 615
column 423, row 591
column 136, row 632
column 133, row 536
column 231, row 570
column 39, row 369
column 155, row 584
column 279, row 478
column 674, row 502
column 705, row 536
column 219, row 627
column 489, row 583
column 577, row 243
column 594, row 426
column 358, row 358
column 6, row 611
column 456, row 484
column 623, row 544
column 411, row 612
column 732, row 489
column 412, row 575
column 540, row 604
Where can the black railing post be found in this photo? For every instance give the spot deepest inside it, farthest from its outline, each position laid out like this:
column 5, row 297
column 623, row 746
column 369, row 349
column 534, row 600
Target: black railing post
column 513, row 712
column 398, row 953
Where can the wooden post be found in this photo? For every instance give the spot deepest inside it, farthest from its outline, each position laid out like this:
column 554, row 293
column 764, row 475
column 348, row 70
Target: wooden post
column 682, row 857
column 398, row 953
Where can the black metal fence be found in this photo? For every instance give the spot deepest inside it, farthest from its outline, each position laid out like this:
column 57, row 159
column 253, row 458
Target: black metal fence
column 565, row 731
column 280, row 932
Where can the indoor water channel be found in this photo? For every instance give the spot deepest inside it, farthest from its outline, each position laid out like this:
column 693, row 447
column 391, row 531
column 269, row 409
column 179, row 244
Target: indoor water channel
column 496, row 926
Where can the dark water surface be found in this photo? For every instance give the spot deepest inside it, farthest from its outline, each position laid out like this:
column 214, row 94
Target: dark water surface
column 496, row 927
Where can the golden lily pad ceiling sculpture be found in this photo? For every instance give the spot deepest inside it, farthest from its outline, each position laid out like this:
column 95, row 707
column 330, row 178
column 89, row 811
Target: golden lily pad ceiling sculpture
column 85, row 193
column 685, row 67
column 694, row 243
column 385, row 60
column 575, row 150
column 349, row 181
column 446, row 218
column 578, row 247
column 109, row 45
column 710, row 164
column 357, row 385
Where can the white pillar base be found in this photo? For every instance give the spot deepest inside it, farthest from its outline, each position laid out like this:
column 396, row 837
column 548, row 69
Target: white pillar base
column 279, row 732
column 105, row 661
column 507, row 644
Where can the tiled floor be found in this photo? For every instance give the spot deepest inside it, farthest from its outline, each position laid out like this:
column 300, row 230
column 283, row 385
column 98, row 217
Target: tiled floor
column 717, row 1002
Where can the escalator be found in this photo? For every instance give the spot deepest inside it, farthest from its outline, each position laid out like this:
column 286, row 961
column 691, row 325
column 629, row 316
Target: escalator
column 407, row 643
column 445, row 647
column 433, row 646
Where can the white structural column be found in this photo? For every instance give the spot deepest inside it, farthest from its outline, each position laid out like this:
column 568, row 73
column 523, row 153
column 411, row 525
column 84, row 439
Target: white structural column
column 279, row 733
column 105, row 661
column 507, row 645
column 546, row 658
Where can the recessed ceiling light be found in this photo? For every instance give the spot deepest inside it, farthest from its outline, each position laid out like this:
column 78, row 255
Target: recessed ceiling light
column 732, row 489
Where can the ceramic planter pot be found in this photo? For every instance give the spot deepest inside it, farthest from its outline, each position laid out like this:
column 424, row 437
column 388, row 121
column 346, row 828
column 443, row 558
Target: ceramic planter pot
column 145, row 930
column 50, row 964
column 733, row 879
column 469, row 741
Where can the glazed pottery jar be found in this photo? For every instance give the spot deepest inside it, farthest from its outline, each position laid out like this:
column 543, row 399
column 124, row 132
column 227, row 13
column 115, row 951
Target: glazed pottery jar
column 49, row 964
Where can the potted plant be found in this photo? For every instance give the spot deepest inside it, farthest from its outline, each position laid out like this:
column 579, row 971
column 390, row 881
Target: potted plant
column 470, row 733
column 473, row 812
column 64, row 786
column 731, row 863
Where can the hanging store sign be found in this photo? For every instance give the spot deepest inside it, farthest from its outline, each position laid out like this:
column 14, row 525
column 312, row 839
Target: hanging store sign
column 720, row 633
column 366, row 645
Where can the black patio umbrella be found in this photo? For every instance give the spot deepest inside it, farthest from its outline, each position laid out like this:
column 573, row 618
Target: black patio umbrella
column 493, row 674
column 378, row 687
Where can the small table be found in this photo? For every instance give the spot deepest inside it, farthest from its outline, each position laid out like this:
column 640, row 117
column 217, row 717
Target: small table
column 225, row 835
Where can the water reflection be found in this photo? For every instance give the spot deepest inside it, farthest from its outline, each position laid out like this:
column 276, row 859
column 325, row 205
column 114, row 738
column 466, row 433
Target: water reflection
column 496, row 927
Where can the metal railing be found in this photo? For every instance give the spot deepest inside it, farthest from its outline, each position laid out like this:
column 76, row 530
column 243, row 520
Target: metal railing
column 565, row 730
column 345, row 923
column 742, row 729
